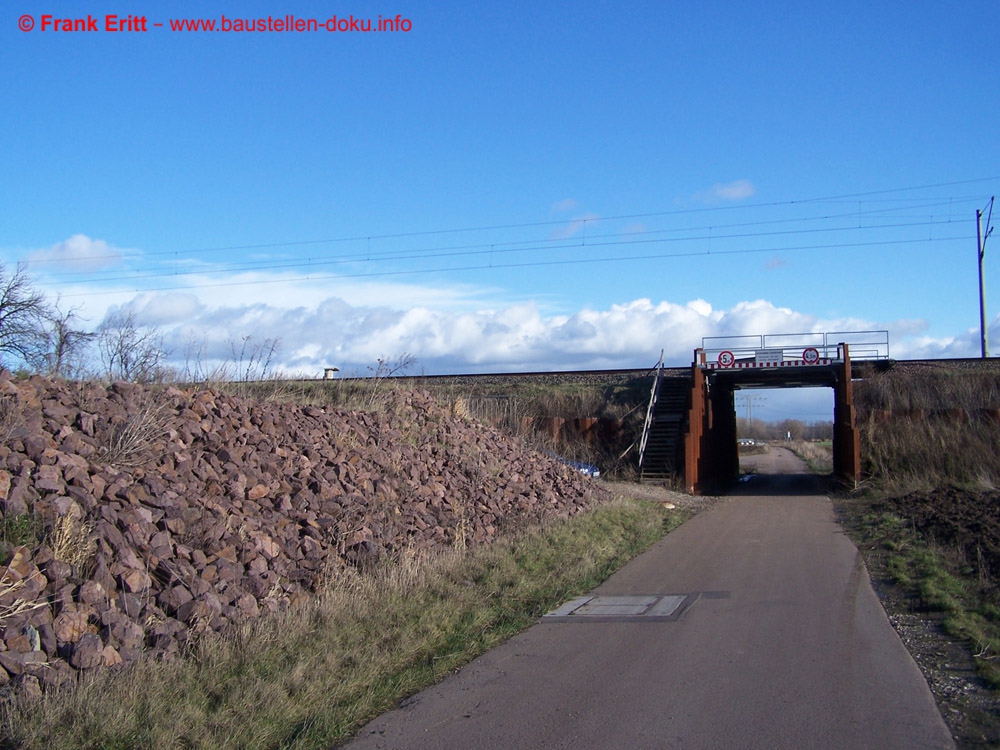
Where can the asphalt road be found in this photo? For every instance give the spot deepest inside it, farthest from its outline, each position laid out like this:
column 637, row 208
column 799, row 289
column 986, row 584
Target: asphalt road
column 775, row 640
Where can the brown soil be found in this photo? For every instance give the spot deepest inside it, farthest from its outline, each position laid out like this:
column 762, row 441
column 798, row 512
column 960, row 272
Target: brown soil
column 967, row 522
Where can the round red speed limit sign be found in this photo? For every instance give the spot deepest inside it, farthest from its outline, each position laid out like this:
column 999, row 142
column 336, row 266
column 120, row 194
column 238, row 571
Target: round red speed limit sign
column 726, row 359
column 810, row 356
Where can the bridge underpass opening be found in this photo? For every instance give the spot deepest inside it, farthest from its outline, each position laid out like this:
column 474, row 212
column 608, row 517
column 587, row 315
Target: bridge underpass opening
column 783, row 414
column 768, row 413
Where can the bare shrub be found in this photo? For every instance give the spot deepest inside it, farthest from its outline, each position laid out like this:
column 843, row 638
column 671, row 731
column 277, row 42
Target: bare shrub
column 253, row 361
column 385, row 369
column 61, row 345
column 247, row 373
column 11, row 416
column 197, row 368
column 23, row 315
column 127, row 442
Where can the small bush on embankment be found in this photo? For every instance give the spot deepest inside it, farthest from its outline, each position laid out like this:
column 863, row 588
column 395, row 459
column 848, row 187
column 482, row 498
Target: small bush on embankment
column 930, row 517
column 312, row 675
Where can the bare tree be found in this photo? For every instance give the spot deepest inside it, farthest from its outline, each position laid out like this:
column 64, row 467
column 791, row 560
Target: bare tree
column 61, row 344
column 130, row 351
column 23, row 315
column 386, row 369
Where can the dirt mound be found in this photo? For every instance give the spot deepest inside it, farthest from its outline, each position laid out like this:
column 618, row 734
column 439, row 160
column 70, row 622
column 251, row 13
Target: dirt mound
column 968, row 521
column 149, row 515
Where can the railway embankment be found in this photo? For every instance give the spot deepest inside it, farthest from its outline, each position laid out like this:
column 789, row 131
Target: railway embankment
column 136, row 519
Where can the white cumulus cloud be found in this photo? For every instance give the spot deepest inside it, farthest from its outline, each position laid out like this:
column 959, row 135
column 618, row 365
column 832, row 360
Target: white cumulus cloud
column 352, row 331
column 516, row 336
column 78, row 253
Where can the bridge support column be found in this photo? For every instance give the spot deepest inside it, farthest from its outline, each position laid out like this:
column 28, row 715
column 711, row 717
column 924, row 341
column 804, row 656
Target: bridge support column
column 724, row 454
column 698, row 424
column 711, row 456
column 846, row 442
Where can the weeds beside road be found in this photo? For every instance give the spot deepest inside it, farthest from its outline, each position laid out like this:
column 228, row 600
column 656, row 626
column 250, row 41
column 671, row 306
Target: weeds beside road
column 818, row 456
column 311, row 676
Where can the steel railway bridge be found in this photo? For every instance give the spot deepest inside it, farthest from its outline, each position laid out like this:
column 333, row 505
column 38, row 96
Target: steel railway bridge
column 690, row 427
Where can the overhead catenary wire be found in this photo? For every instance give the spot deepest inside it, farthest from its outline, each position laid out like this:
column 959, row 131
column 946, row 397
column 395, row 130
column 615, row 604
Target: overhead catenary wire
column 873, row 223
column 562, row 222
column 535, row 243
column 506, row 249
column 489, row 266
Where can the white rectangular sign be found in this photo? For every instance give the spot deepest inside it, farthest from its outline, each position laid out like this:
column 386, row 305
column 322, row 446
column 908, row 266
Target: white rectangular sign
column 769, row 356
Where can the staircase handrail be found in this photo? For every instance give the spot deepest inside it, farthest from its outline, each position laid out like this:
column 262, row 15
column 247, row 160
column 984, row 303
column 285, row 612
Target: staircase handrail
column 654, row 394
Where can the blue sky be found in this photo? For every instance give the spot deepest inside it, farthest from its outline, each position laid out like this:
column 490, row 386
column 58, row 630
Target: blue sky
column 518, row 186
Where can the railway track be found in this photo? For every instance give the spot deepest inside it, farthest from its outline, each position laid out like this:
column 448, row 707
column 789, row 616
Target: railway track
column 625, row 375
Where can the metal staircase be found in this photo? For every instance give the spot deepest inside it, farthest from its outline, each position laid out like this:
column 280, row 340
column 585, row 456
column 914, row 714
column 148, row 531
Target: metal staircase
column 661, row 451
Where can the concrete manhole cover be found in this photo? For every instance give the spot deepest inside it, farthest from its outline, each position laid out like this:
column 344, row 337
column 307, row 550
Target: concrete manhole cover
column 594, row 608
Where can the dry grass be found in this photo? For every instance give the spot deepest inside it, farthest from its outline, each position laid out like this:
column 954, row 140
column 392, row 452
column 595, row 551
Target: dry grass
column 11, row 416
column 932, row 452
column 930, row 428
column 309, row 677
column 272, row 388
column 12, row 603
column 932, row 389
column 127, row 442
column 819, row 456
column 72, row 542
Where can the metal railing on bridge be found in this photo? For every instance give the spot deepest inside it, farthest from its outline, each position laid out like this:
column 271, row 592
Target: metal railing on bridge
column 791, row 349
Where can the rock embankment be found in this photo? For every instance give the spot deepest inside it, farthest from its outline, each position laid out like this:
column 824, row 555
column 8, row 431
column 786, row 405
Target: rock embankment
column 135, row 517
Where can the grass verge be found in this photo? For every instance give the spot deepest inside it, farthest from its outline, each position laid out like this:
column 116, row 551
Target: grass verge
column 937, row 580
column 818, row 456
column 310, row 677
